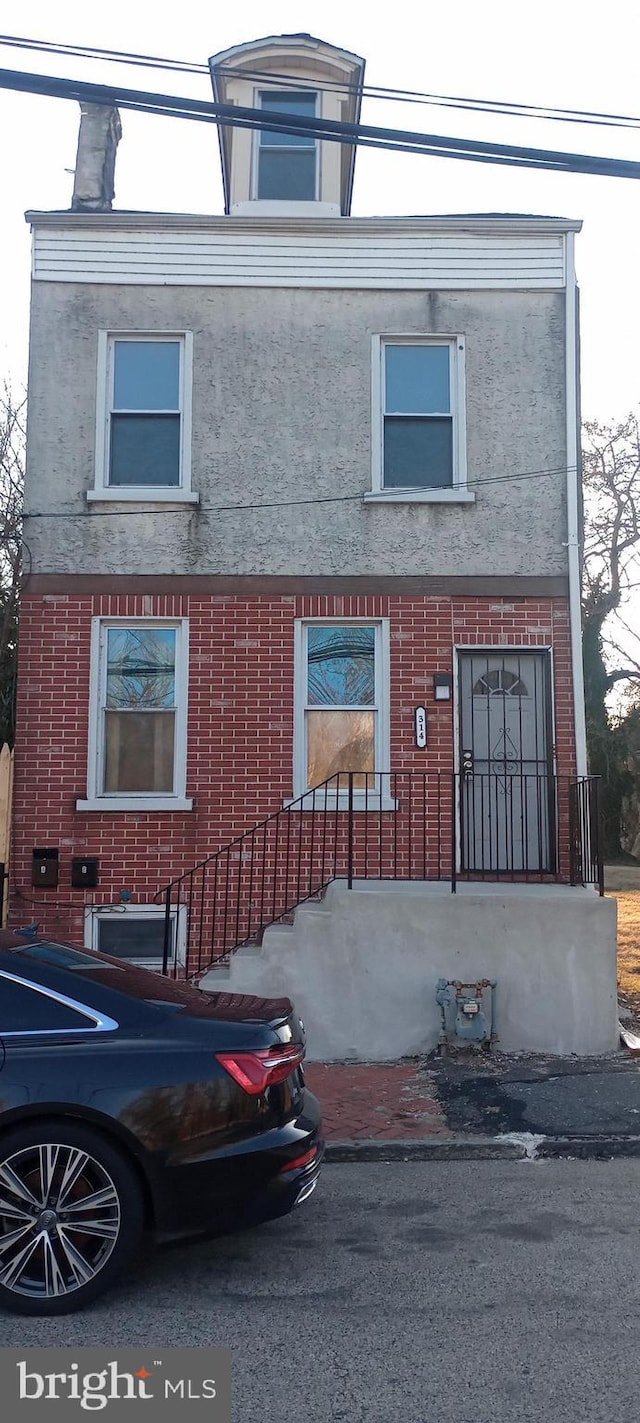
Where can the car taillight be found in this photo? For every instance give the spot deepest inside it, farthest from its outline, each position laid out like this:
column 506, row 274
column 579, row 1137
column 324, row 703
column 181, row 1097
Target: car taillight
column 262, row 1068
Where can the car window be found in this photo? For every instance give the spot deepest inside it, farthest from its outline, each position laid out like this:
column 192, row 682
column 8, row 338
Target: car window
column 58, row 955
column 24, row 1010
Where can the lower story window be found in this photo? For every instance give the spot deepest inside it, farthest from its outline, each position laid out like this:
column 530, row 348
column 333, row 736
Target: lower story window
column 341, row 703
column 135, row 934
column 138, row 714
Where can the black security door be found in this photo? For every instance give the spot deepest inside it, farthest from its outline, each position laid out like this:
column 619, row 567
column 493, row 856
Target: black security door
column 506, row 798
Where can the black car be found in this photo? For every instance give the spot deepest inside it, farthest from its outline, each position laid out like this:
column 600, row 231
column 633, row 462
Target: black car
column 130, row 1103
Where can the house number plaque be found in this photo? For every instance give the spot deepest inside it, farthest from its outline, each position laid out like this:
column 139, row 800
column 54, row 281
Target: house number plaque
column 421, row 727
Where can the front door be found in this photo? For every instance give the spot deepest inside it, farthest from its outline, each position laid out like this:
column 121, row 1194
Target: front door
column 506, row 799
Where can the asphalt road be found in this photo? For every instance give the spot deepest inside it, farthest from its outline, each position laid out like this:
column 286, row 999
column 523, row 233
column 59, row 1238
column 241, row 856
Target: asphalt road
column 409, row 1293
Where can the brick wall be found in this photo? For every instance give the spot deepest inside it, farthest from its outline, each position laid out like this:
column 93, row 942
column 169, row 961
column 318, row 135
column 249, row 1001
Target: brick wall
column 240, row 728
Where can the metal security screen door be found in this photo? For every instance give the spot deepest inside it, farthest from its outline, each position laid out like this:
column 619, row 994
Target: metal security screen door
column 506, row 789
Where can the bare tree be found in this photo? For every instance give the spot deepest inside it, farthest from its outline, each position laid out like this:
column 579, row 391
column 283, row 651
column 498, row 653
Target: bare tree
column 611, row 473
column 611, row 635
column 12, row 443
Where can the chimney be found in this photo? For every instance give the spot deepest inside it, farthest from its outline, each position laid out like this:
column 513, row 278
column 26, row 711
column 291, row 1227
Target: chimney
column 100, row 133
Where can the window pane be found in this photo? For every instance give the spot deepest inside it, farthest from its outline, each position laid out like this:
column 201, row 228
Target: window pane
column 339, row 741
column 125, row 937
column 287, row 174
column 23, row 1010
column 141, row 667
column 418, row 454
column 341, row 666
column 145, row 450
column 146, row 375
column 287, row 103
column 417, row 380
column 139, row 751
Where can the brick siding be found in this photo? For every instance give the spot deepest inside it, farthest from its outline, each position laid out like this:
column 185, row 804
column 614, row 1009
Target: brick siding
column 240, row 725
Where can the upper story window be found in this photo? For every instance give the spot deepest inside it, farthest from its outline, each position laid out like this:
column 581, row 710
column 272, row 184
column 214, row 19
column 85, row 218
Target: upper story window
column 419, row 395
column 144, row 434
column 287, row 162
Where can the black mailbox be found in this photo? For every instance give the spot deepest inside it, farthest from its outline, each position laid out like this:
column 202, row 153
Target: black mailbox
column 44, row 870
column 84, row 872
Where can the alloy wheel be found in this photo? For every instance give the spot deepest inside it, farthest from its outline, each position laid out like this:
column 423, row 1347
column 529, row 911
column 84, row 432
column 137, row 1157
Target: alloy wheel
column 60, row 1219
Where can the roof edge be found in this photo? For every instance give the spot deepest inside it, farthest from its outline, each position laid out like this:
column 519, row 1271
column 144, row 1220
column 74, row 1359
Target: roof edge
column 219, row 222
column 312, row 42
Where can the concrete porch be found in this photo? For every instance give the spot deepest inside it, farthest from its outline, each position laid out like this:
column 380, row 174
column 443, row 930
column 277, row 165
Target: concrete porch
column 361, row 966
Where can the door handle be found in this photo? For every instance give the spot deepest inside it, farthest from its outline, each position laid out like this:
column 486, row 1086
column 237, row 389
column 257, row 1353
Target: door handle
column 467, row 763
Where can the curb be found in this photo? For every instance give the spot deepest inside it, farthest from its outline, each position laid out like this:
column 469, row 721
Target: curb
column 589, row 1148
column 535, row 1148
column 428, row 1149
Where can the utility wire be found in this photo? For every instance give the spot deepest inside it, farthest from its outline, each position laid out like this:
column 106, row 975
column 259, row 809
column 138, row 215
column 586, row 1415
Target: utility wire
column 109, row 56
column 397, row 140
column 504, row 107
column 287, row 503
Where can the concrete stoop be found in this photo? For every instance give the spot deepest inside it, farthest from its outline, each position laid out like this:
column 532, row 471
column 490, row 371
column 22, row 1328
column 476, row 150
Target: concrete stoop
column 361, row 966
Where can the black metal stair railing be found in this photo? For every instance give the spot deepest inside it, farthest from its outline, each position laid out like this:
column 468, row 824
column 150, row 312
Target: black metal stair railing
column 396, row 825
column 227, row 899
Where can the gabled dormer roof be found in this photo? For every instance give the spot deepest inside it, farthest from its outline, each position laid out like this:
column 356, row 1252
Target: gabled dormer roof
column 285, row 63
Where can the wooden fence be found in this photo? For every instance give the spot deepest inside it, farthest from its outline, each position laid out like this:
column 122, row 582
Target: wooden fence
column 6, row 800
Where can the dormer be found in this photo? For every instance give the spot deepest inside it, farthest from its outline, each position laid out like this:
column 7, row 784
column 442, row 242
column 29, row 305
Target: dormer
column 280, row 174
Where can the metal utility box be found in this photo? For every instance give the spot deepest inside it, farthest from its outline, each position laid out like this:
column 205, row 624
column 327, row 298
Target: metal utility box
column 84, row 872
column 44, row 868
column 467, row 1013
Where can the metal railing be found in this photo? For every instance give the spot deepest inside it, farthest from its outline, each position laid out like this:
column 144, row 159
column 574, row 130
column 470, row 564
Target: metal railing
column 396, row 825
column 585, row 832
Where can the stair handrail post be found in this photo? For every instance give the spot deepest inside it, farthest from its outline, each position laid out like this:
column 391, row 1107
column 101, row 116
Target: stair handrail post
column 454, row 843
column 572, row 803
column 597, row 785
column 167, row 930
column 350, row 834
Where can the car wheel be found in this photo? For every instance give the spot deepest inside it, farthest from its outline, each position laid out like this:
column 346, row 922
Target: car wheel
column 71, row 1217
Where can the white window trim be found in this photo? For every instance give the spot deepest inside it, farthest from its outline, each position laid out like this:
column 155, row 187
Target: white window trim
column 302, row 797
column 293, row 205
column 95, row 914
column 457, row 492
column 147, row 494
column 95, row 799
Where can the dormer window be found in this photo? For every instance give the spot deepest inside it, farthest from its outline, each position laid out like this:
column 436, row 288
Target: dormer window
column 277, row 174
column 287, row 162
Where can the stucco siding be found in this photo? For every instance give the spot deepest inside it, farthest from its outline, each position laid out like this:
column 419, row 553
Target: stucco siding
column 282, row 413
column 362, row 967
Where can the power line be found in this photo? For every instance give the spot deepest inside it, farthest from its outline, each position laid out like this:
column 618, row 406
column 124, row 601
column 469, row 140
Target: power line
column 507, row 108
column 109, row 56
column 397, row 140
column 504, row 107
column 290, row 503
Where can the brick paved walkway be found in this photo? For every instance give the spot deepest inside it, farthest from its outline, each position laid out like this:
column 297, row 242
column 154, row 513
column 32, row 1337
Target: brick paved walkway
column 394, row 1101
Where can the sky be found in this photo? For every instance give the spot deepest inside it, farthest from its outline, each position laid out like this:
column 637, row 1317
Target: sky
column 560, row 53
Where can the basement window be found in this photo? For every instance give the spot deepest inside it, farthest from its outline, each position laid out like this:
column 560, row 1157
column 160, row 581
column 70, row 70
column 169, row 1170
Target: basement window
column 134, row 933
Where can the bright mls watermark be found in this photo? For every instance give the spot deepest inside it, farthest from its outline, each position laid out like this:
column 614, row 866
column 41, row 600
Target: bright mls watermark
column 58, row 1384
